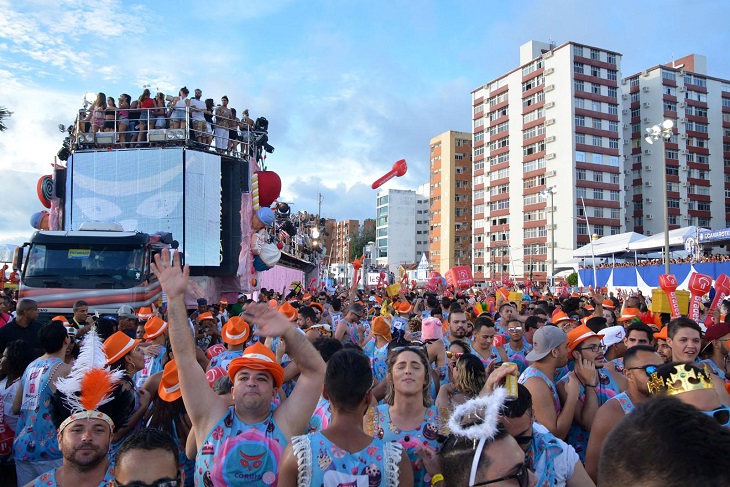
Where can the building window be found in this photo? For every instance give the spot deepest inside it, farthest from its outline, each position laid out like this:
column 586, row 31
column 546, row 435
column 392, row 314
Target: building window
column 580, row 138
column 580, row 174
column 597, row 123
column 613, row 143
column 612, row 126
column 612, row 74
column 597, row 141
column 577, row 50
column 597, row 194
column 612, row 92
column 580, row 156
column 612, row 109
column 596, row 89
column 582, row 229
column 595, row 54
column 580, row 103
column 598, row 176
column 611, row 59
column 595, row 71
column 580, row 121
column 578, row 67
column 579, row 85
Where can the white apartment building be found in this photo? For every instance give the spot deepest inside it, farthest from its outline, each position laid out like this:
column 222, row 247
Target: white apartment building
column 553, row 123
column 697, row 156
column 401, row 226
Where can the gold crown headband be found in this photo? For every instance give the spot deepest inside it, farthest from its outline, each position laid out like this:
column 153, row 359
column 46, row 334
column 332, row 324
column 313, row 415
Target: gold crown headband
column 682, row 379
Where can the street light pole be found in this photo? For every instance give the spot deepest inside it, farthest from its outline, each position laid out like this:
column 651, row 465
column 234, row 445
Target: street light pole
column 663, row 132
column 551, row 192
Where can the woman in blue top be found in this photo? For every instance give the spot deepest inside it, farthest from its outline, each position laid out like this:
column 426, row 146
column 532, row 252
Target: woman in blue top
column 408, row 416
column 343, row 454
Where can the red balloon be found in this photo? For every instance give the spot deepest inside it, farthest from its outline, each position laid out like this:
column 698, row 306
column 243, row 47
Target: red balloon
column 399, row 169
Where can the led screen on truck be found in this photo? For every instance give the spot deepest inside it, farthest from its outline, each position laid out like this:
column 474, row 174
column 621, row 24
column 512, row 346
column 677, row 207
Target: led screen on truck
column 151, row 190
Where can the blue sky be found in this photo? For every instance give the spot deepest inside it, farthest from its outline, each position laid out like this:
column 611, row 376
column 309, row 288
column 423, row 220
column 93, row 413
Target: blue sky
column 348, row 87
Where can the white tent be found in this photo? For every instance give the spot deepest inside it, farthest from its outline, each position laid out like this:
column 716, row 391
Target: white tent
column 572, row 265
column 656, row 242
column 609, row 245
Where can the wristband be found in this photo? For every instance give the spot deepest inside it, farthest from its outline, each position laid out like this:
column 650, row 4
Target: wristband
column 436, row 479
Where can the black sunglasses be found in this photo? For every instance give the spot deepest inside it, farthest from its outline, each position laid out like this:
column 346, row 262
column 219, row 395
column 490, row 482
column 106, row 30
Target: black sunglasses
column 721, row 415
column 159, row 483
column 648, row 369
column 522, row 476
column 523, row 440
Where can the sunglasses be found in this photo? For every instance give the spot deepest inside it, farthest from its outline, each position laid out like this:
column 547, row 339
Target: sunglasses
column 514, row 329
column 450, row 354
column 648, row 369
column 522, row 476
column 594, row 348
column 159, row 483
column 721, row 415
column 523, row 440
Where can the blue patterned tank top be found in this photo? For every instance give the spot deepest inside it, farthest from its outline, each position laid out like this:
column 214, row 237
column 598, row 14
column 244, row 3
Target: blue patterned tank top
column 531, row 372
column 426, row 434
column 48, row 479
column 605, row 390
column 625, row 402
column 238, row 453
column 321, row 462
column 35, row 436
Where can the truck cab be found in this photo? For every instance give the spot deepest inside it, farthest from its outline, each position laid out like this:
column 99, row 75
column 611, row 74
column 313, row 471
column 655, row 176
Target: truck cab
column 99, row 263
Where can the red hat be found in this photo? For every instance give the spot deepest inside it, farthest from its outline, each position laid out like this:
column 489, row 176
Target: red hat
column 236, row 331
column 169, row 388
column 257, row 357
column 289, row 311
column 579, row 334
column 118, row 345
column 154, row 327
column 716, row 331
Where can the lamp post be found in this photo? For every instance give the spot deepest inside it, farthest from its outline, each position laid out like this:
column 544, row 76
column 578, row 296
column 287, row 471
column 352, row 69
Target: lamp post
column 592, row 237
column 545, row 193
column 348, row 239
column 663, row 132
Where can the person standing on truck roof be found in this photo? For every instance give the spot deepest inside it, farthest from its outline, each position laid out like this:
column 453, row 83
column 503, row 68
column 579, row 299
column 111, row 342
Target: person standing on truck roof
column 23, row 327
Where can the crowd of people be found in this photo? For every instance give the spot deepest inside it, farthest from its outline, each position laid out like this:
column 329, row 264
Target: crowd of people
column 704, row 259
column 216, row 126
column 358, row 388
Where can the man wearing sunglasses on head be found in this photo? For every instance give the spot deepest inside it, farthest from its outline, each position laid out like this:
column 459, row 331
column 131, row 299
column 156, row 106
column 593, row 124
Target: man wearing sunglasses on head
column 639, row 363
column 596, row 388
column 147, row 458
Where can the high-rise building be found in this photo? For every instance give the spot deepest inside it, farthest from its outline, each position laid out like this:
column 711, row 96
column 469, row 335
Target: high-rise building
column 401, row 227
column 697, row 156
column 450, row 202
column 547, row 160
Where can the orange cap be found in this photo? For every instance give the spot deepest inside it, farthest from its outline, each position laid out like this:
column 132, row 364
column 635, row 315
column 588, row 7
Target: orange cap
column 662, row 334
column 560, row 316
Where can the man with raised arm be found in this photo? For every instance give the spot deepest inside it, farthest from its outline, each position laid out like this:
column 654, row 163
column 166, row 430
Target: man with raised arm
column 241, row 444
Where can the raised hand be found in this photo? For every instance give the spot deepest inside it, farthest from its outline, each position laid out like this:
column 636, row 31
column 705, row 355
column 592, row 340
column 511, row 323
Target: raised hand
column 173, row 279
column 269, row 322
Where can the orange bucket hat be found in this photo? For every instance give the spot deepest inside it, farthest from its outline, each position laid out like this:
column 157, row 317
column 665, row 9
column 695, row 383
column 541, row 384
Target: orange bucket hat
column 236, row 331
column 62, row 319
column 144, row 313
column 169, row 388
column 289, row 311
column 382, row 328
column 118, row 345
column 318, row 306
column 154, row 327
column 207, row 316
column 579, row 334
column 257, row 357
column 404, row 307
column 560, row 316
